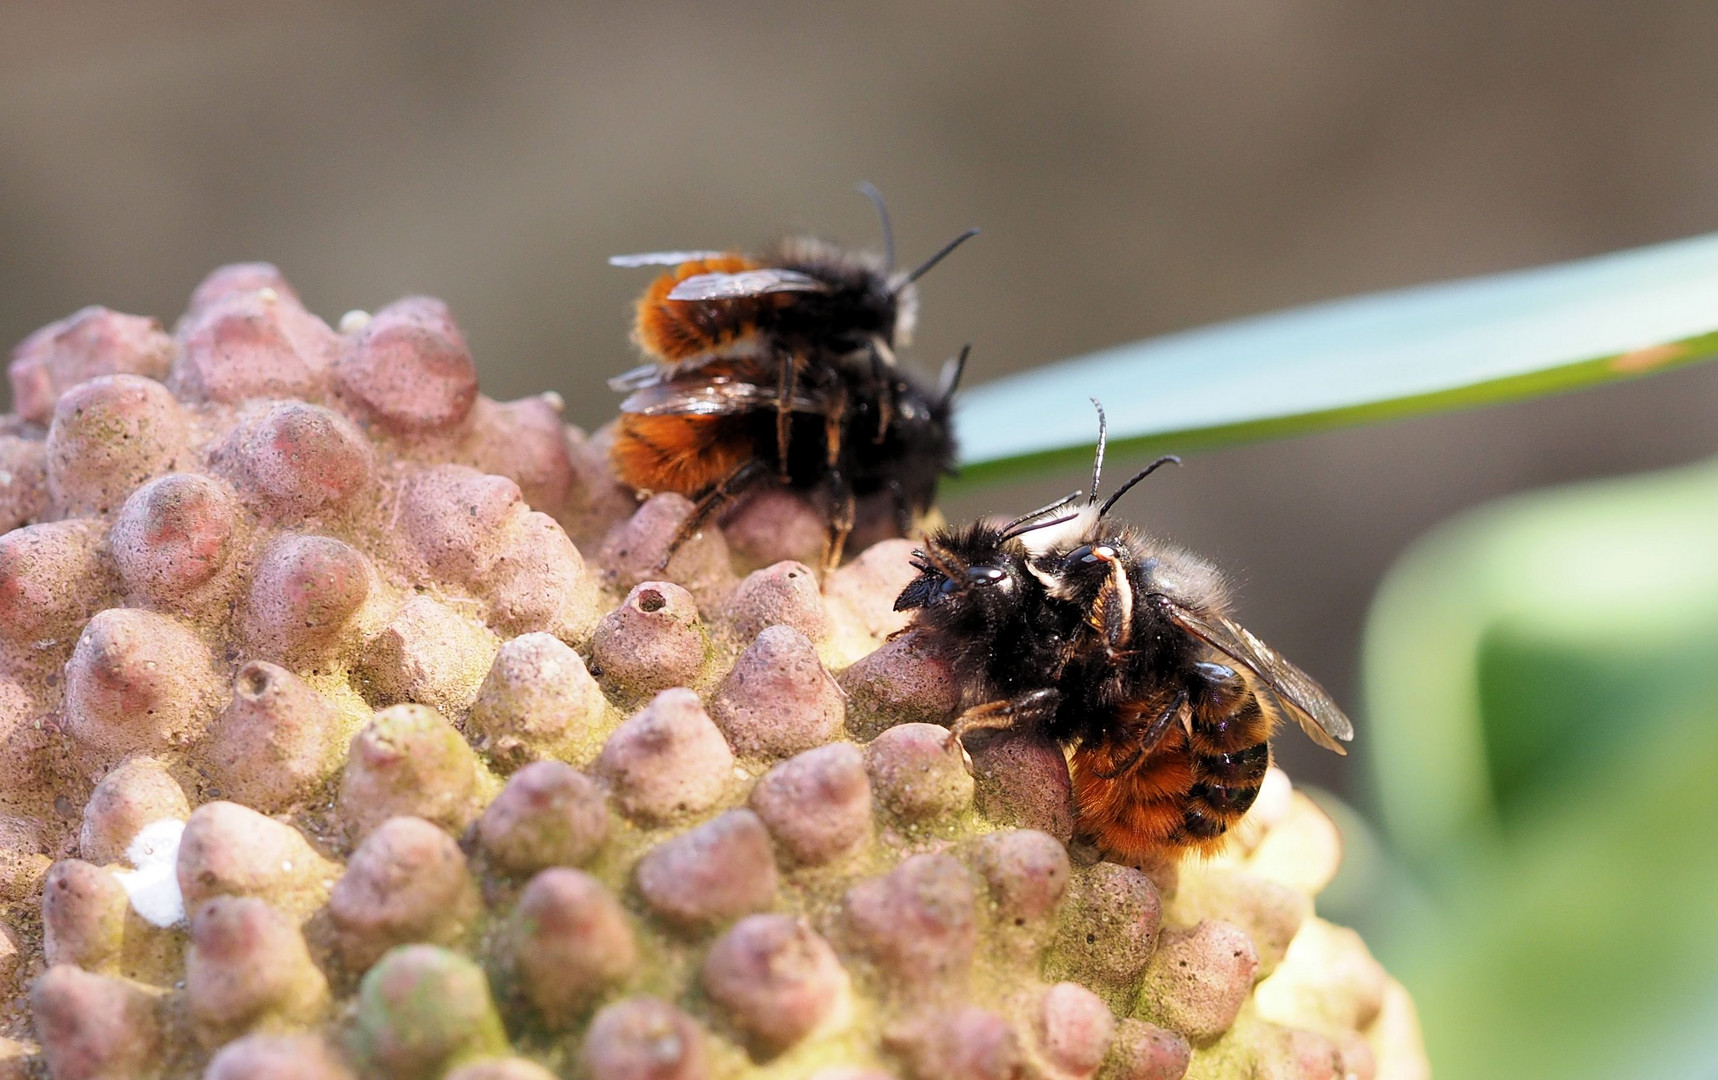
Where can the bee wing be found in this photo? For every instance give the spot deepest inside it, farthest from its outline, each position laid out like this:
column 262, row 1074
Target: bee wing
column 663, row 258
column 1318, row 716
column 769, row 279
column 697, row 393
column 638, row 377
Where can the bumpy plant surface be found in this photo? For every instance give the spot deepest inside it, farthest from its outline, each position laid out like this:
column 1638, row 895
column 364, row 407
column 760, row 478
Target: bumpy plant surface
column 349, row 730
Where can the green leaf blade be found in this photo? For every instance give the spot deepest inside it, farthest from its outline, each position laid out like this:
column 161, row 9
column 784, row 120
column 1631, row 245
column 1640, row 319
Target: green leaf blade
column 1485, row 340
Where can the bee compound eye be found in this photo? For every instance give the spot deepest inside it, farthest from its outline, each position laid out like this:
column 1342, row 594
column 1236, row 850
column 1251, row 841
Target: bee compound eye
column 949, row 585
column 984, row 575
column 1082, row 554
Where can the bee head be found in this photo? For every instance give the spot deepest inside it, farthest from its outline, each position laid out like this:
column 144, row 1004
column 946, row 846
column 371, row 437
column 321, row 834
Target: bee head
column 974, row 573
column 1078, row 573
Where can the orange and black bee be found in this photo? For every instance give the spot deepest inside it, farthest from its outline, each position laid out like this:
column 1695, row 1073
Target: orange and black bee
column 783, row 366
column 1122, row 646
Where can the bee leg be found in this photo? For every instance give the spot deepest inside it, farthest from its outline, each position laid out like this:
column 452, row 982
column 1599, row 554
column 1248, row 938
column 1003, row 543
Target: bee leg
column 840, row 518
column 1149, row 738
column 886, row 400
column 785, row 388
column 712, row 500
column 1005, row 713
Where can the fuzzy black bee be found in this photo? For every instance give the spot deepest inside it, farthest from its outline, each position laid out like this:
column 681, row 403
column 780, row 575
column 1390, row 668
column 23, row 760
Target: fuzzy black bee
column 1120, row 645
column 783, row 366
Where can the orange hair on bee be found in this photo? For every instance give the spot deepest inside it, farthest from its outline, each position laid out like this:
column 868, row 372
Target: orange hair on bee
column 672, row 331
column 1138, row 812
column 682, row 452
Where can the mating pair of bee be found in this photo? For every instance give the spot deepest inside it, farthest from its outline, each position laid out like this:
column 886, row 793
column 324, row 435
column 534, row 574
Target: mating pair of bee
column 1062, row 621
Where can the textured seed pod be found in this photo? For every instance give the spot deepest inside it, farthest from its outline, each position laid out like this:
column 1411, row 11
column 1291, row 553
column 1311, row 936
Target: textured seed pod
column 709, row 860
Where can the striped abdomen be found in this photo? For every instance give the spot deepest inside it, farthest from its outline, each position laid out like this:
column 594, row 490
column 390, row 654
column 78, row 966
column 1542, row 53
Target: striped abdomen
column 674, row 332
column 1188, row 790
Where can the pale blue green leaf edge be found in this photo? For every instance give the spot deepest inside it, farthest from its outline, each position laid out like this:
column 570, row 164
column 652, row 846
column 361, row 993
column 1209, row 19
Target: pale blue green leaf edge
column 1427, row 348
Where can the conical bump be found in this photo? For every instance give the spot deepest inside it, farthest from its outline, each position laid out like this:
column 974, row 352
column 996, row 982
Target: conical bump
column 137, row 792
column 277, row 741
column 138, row 681
column 406, row 882
column 172, row 536
column 777, row 700
column 817, row 805
column 538, row 701
column 569, row 940
column 421, row 1009
column 298, row 460
column 667, row 761
column 52, row 578
column 644, row 1038
column 410, row 761
column 408, row 368
column 710, row 874
column 549, row 814
column 248, row 965
column 918, row 923
column 80, row 347
column 241, row 343
column 775, row 979
column 304, row 593
column 651, row 642
column 109, row 435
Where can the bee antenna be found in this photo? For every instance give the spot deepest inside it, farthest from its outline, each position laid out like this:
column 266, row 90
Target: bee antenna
column 1167, row 459
column 1098, row 458
column 1008, row 530
column 1036, row 525
column 942, row 254
column 952, row 371
column 869, row 190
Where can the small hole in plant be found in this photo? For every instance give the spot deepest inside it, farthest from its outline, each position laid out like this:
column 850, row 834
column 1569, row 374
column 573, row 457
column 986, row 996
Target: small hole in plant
column 651, row 600
column 253, row 681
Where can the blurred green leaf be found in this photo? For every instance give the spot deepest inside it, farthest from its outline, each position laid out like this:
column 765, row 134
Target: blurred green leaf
column 1476, row 341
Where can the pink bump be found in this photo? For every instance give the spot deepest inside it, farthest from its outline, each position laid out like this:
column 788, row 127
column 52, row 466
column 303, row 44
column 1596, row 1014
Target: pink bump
column 454, row 519
column 817, row 805
column 248, row 965
column 868, row 585
column 299, row 460
column 772, row 524
column 917, row 923
column 1144, row 1051
column 525, row 441
column 668, row 760
column 172, row 536
column 233, row 279
column 1073, row 1030
column 1199, row 979
column 537, row 701
column 569, row 941
column 409, row 760
column 643, row 1038
column 652, row 641
column 109, row 435
column 406, row 882
column 428, row 653
column 276, row 741
column 711, row 874
column 966, row 1043
column 549, row 814
column 778, row 700
column 138, row 681
column 277, row 1057
column 1110, row 920
column 784, row 594
column 93, row 1026
column 775, row 978
column 538, row 582
column 137, row 792
column 83, row 916
column 303, row 594
column 633, row 551
column 1027, row 872
column 409, row 368
column 51, row 578
column 902, row 682
column 24, row 488
column 87, row 344
column 1022, row 781
column 231, row 850
column 252, row 344
column 919, row 773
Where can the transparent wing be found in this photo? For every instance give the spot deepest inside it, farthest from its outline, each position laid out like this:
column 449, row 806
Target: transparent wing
column 643, row 375
column 702, row 393
column 769, row 279
column 663, row 258
column 1318, row 716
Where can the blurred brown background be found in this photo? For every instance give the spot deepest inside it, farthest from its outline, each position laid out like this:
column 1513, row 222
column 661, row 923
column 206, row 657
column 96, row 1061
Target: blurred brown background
column 1137, row 168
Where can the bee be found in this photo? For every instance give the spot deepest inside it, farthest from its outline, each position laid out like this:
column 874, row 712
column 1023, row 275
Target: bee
column 1121, row 646
column 783, row 366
